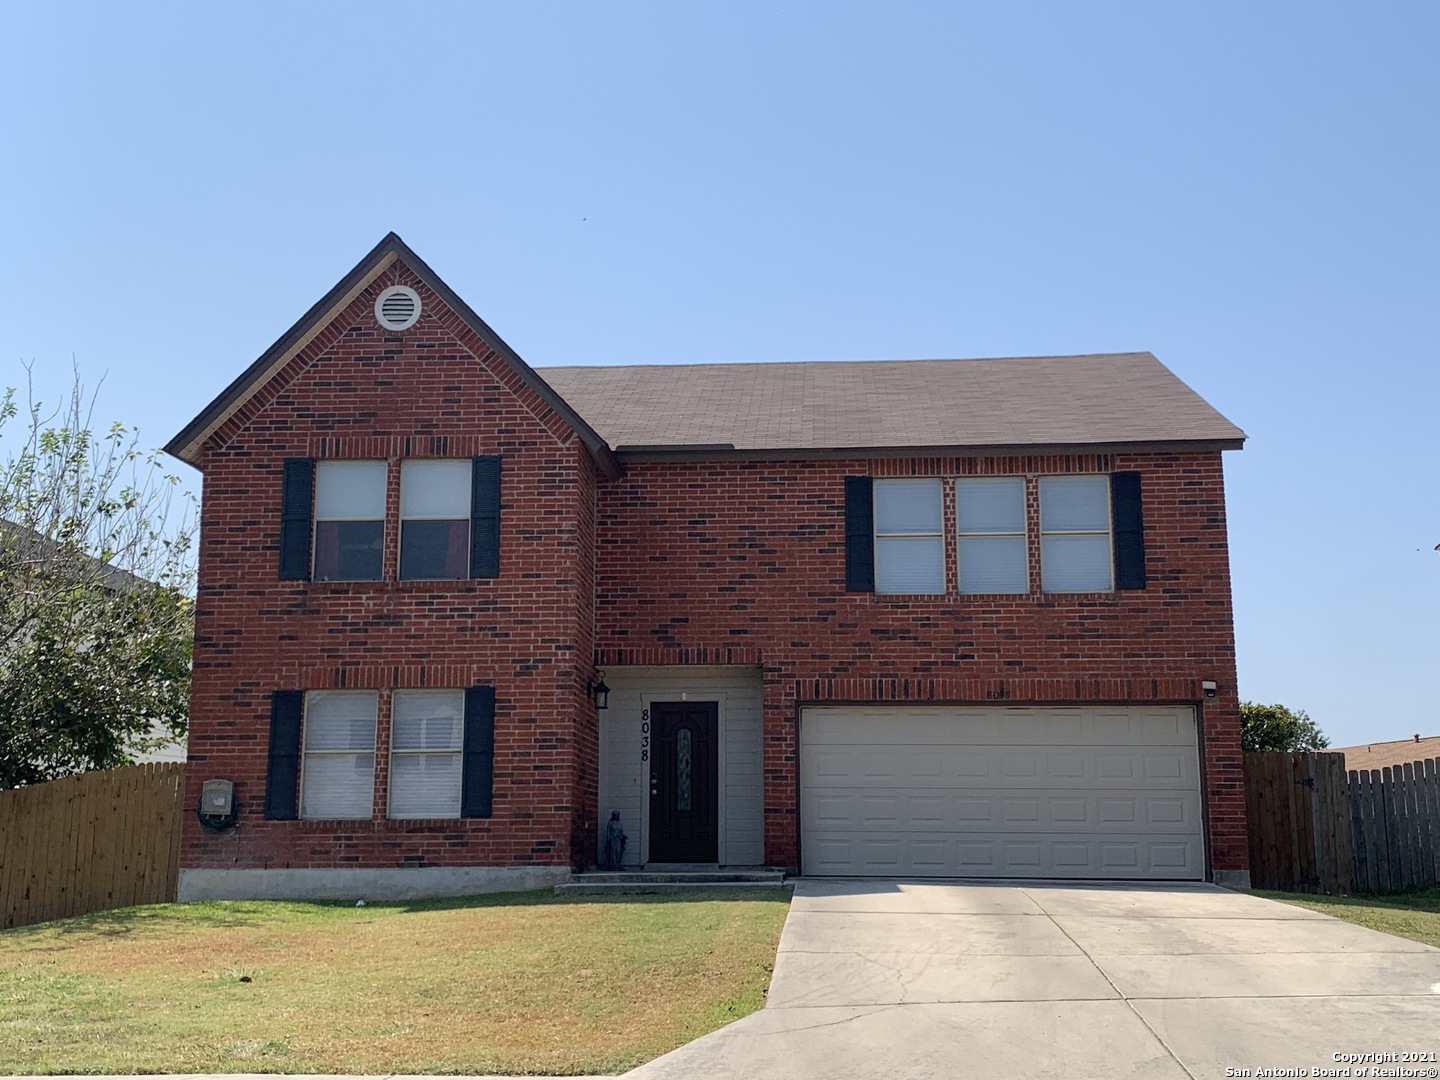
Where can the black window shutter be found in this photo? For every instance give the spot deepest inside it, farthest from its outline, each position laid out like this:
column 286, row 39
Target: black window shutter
column 859, row 534
column 296, row 510
column 282, row 778
column 1129, row 527
column 485, row 517
column 477, row 783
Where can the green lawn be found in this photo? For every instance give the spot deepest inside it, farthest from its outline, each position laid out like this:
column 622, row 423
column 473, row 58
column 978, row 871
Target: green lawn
column 1413, row 915
column 512, row 983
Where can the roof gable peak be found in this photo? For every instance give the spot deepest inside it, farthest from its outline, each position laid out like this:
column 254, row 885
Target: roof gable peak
column 187, row 444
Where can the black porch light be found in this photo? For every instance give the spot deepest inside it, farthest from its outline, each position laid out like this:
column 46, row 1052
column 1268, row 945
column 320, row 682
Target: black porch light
column 600, row 690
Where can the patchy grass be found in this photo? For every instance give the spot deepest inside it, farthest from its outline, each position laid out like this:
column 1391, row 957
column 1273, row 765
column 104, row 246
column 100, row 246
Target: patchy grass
column 1414, row 915
column 511, row 983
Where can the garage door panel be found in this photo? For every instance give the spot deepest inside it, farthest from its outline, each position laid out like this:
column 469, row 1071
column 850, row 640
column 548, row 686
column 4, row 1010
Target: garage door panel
column 1007, row 791
column 1009, row 725
column 973, row 767
column 1077, row 856
column 939, row 808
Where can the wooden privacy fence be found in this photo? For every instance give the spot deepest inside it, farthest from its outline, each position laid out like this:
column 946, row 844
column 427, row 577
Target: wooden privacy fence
column 1299, row 822
column 1315, row 828
column 1395, row 819
column 90, row 842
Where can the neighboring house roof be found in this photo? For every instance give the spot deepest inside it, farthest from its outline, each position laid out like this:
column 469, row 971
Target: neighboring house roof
column 36, row 547
column 1385, row 755
column 1112, row 399
column 168, row 751
column 186, row 445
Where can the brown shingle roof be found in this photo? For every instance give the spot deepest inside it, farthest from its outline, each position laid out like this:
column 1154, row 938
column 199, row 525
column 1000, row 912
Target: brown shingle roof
column 1384, row 755
column 1043, row 401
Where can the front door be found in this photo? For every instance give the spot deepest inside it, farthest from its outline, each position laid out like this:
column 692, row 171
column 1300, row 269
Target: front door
column 684, row 770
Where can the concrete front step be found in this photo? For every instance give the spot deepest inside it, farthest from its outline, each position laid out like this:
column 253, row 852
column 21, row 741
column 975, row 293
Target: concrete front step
column 635, row 888
column 673, row 881
column 775, row 877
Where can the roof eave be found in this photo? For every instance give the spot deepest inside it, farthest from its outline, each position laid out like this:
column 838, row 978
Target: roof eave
column 638, row 455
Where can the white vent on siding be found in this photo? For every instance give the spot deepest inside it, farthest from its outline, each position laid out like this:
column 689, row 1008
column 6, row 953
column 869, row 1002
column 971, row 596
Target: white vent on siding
column 398, row 308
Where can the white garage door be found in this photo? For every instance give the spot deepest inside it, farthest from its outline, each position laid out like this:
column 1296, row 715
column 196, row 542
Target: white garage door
column 1010, row 791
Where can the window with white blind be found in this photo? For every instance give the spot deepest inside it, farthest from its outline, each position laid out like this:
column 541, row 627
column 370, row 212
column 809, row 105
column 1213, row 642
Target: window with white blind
column 427, row 735
column 349, row 520
column 337, row 767
column 435, row 519
column 990, row 517
column 909, row 537
column 1075, row 553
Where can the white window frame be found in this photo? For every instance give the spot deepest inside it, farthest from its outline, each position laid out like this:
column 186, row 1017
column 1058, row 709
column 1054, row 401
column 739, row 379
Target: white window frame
column 466, row 517
column 306, row 754
column 458, row 752
column 877, row 536
column 1108, row 532
column 316, row 519
column 1023, row 534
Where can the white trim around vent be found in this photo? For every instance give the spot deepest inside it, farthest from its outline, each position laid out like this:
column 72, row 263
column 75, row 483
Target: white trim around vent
column 397, row 308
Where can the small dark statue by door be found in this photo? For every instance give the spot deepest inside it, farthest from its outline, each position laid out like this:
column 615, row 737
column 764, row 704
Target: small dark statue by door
column 684, row 770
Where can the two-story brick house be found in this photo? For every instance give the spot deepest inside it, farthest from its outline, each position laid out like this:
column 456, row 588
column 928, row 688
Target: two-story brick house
column 907, row 618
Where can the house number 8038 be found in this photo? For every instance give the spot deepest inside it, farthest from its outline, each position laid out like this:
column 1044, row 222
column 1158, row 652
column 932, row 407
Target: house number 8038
column 645, row 735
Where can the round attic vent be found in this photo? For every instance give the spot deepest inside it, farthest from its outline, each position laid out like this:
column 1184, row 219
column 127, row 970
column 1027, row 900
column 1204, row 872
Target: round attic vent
column 397, row 308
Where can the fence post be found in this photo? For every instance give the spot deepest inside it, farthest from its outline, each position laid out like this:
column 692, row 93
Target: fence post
column 1336, row 812
column 1432, row 813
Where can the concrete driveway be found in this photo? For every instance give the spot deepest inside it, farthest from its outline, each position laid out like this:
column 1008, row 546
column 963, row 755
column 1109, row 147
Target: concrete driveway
column 891, row 980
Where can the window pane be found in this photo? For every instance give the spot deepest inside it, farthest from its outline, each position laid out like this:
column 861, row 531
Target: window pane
column 993, row 506
column 1075, row 503
column 910, row 565
column 428, row 719
column 1075, row 563
column 425, row 785
column 349, row 550
column 907, row 506
column 340, row 720
column 350, row 489
column 337, row 786
column 435, row 549
column 992, row 564
column 435, row 489
column 682, row 770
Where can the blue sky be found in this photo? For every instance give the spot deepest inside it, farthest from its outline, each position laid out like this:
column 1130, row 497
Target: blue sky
column 1249, row 191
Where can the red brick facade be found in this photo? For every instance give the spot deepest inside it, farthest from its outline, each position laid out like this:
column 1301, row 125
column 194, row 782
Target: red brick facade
column 745, row 563
column 674, row 563
column 434, row 391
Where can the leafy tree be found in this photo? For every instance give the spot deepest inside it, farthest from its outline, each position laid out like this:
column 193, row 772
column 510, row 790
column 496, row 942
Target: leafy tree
column 96, row 586
column 1274, row 727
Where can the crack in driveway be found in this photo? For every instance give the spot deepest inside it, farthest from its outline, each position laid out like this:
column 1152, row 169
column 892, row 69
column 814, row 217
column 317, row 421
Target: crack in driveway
column 1106, row 976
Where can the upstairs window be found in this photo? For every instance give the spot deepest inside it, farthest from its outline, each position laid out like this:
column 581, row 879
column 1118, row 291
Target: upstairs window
column 435, row 518
column 349, row 520
column 427, row 737
column 337, row 770
column 332, row 519
column 1075, row 554
column 909, row 537
column 990, row 513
